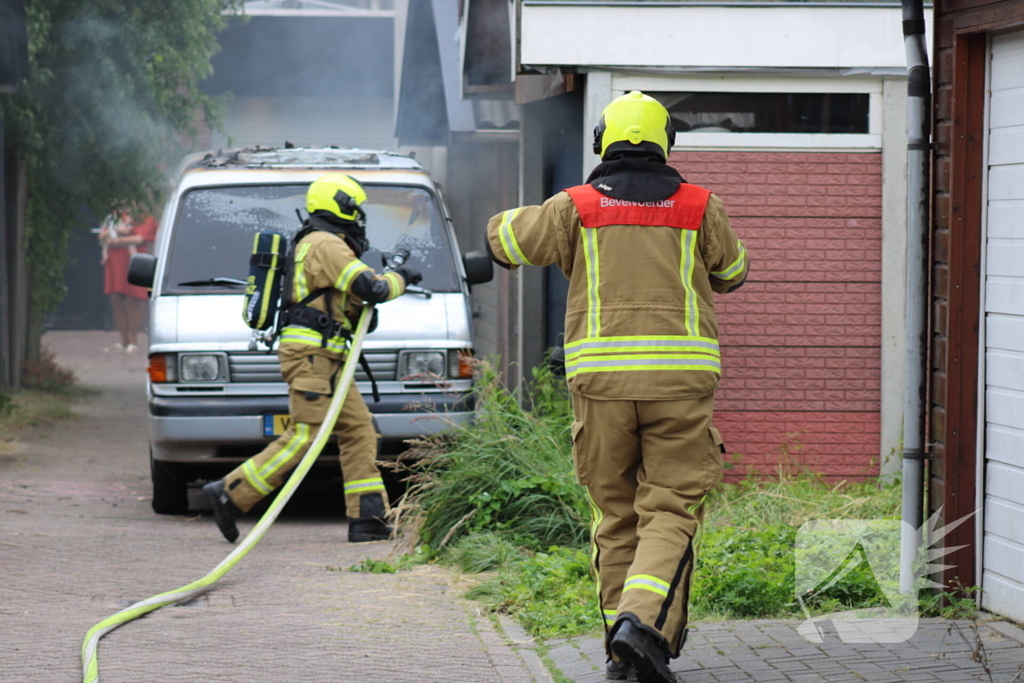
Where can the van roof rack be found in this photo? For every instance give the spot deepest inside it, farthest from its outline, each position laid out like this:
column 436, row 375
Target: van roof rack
column 306, row 157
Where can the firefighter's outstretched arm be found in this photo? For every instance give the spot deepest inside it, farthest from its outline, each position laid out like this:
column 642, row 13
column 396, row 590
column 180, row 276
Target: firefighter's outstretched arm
column 360, row 279
column 533, row 235
column 725, row 255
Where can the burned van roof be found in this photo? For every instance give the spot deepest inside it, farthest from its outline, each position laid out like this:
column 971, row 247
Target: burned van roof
column 301, row 158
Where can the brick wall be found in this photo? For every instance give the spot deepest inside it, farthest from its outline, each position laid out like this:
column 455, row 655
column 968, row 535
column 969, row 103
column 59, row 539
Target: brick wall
column 801, row 341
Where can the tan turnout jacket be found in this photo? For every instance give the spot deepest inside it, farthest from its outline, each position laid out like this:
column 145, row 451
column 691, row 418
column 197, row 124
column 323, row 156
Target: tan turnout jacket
column 322, row 260
column 640, row 317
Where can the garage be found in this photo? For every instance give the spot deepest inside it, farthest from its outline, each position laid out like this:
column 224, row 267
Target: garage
column 1003, row 361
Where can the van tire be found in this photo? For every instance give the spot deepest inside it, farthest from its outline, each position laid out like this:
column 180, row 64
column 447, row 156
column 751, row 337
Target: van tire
column 170, row 487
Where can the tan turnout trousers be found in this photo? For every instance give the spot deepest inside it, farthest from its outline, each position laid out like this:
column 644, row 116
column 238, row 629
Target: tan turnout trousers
column 310, row 379
column 647, row 466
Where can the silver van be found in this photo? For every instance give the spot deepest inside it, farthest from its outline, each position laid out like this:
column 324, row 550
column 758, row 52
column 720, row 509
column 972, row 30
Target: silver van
column 216, row 397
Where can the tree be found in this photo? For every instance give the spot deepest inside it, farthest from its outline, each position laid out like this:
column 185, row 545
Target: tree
column 110, row 104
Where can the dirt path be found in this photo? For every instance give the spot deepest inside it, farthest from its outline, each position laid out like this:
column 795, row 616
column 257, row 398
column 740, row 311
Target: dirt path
column 78, row 541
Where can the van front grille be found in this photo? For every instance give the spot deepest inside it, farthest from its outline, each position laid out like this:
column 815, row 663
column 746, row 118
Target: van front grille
column 252, row 367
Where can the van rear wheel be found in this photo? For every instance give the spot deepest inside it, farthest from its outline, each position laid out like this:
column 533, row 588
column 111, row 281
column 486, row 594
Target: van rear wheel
column 170, row 487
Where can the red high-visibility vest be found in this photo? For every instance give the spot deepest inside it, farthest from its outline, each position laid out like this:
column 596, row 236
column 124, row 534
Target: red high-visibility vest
column 683, row 210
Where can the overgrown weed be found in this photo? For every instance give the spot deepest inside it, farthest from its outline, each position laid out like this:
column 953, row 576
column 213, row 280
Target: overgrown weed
column 499, row 500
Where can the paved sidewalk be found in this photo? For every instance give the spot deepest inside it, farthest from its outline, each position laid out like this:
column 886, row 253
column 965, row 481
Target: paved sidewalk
column 78, row 541
column 773, row 651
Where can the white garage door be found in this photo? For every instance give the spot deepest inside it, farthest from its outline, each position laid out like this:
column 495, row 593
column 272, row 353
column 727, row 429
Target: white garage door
column 1003, row 559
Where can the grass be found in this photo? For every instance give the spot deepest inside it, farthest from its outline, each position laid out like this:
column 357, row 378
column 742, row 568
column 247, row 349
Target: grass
column 499, row 501
column 45, row 397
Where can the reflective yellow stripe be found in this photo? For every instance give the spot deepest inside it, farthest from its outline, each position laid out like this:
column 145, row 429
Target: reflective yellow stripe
column 609, row 616
column 294, row 445
column 592, row 257
column 641, row 363
column 364, row 485
column 639, row 339
column 294, row 334
column 641, row 345
column 301, row 290
column 254, row 478
column 508, row 239
column 348, row 274
column 268, row 285
column 688, row 247
column 735, row 268
column 396, row 284
column 648, row 583
column 596, row 516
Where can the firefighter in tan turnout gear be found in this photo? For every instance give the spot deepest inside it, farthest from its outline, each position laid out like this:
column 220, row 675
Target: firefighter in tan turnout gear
column 644, row 252
column 327, row 276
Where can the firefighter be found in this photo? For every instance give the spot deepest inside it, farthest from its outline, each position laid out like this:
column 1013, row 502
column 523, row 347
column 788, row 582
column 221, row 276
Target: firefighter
column 644, row 252
column 328, row 276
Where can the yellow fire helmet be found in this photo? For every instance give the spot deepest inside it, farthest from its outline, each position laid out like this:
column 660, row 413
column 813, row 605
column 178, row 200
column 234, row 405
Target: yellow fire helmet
column 338, row 194
column 634, row 121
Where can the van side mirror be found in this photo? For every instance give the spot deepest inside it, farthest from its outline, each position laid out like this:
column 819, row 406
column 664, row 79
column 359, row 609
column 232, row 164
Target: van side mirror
column 479, row 268
column 142, row 270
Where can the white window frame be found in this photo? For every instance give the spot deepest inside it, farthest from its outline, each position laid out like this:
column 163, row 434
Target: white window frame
column 832, row 142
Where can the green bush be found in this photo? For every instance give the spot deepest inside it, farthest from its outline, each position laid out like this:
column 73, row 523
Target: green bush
column 509, row 473
column 500, row 496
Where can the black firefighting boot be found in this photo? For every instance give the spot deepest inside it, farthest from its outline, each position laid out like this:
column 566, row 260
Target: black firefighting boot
column 370, row 525
column 619, row 671
column 643, row 647
column 224, row 510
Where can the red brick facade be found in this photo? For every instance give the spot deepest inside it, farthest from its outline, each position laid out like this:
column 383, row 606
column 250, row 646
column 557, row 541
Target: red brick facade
column 801, row 341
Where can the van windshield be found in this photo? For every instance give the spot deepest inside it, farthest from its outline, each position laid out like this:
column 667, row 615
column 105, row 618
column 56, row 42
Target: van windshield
column 213, row 233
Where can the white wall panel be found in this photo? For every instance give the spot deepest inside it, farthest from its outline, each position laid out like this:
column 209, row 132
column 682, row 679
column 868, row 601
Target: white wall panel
column 1003, row 444
column 1003, row 534
column 719, row 36
column 1005, row 332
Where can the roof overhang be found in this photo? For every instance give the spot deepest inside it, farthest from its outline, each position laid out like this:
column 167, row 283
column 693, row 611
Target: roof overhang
column 722, row 35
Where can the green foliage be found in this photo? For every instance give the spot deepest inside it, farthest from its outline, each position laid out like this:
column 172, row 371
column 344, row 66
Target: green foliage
column 550, row 593
column 500, row 496
column 959, row 603
column 509, row 473
column 109, row 105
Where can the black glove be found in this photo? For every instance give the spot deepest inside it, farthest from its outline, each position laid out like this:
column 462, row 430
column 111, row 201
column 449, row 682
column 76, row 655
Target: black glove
column 411, row 275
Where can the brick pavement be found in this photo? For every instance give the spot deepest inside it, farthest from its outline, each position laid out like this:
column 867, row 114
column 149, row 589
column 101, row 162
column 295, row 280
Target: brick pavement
column 78, row 541
column 773, row 651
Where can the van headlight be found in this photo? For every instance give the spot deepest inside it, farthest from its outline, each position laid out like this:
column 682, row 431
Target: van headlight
column 421, row 365
column 201, row 367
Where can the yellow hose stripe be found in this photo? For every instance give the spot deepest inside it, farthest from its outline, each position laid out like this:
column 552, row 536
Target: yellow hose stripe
column 90, row 644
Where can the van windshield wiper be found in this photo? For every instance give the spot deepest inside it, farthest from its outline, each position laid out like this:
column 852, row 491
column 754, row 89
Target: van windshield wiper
column 213, row 281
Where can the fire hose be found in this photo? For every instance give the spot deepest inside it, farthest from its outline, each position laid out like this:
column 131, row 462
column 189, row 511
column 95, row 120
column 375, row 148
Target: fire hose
column 90, row 646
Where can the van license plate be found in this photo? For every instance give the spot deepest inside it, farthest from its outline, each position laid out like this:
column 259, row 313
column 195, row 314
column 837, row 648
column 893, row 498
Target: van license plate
column 275, row 425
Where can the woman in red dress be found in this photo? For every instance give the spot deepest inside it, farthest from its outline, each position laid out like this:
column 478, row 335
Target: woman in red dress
column 121, row 238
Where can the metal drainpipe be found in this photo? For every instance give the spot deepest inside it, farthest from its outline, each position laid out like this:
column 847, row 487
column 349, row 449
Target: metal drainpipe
column 918, row 167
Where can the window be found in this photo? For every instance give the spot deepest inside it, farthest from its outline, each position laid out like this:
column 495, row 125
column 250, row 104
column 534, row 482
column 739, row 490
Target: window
column 755, row 112
column 214, row 227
